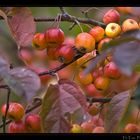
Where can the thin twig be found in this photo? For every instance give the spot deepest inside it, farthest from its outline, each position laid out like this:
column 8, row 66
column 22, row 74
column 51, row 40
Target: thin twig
column 53, row 71
column 7, row 106
column 70, row 18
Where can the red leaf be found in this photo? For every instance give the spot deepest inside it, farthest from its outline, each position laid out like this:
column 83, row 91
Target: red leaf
column 21, row 25
column 61, row 102
column 23, row 82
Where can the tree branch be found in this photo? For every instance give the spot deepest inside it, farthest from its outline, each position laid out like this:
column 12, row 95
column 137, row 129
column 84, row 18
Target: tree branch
column 69, row 18
column 53, row 71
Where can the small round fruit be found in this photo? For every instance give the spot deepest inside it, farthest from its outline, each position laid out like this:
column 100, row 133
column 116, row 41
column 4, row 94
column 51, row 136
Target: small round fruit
column 52, row 53
column 33, row 123
column 98, row 72
column 113, row 30
column 54, row 37
column 87, row 127
column 69, row 41
column 17, row 127
column 16, row 111
column 129, row 24
column 65, row 53
column 101, row 43
column 94, row 109
column 97, row 32
column 131, row 128
column 84, row 42
column 76, row 128
column 91, row 91
column 39, row 41
column 85, row 79
column 111, row 71
column 97, row 121
column 111, row 16
column 98, row 129
column 102, row 83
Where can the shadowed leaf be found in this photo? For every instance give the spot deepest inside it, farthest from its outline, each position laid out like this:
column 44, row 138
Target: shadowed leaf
column 117, row 108
column 4, row 65
column 23, row 82
column 59, row 103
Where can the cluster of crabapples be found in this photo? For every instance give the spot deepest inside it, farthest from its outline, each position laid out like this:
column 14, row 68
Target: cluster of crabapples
column 52, row 45
column 20, row 123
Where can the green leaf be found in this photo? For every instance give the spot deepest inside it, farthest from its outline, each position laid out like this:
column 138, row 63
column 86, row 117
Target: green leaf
column 116, row 110
column 62, row 103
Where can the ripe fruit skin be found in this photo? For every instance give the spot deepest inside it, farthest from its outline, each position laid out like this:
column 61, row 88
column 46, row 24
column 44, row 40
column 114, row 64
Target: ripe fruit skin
column 97, row 32
column 33, row 123
column 69, row 41
column 131, row 128
column 85, row 42
column 111, row 16
column 102, row 83
column 112, row 30
column 129, row 24
column 87, row 127
column 102, row 42
column 98, row 72
column 15, row 111
column 111, row 71
column 17, row 127
column 54, row 37
column 52, row 53
column 98, row 129
column 85, row 79
column 97, row 121
column 76, row 128
column 65, row 53
column 39, row 41
column 91, row 91
column 94, row 109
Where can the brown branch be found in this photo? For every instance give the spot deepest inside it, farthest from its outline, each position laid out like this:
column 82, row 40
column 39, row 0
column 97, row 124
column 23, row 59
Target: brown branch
column 69, row 18
column 53, row 71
